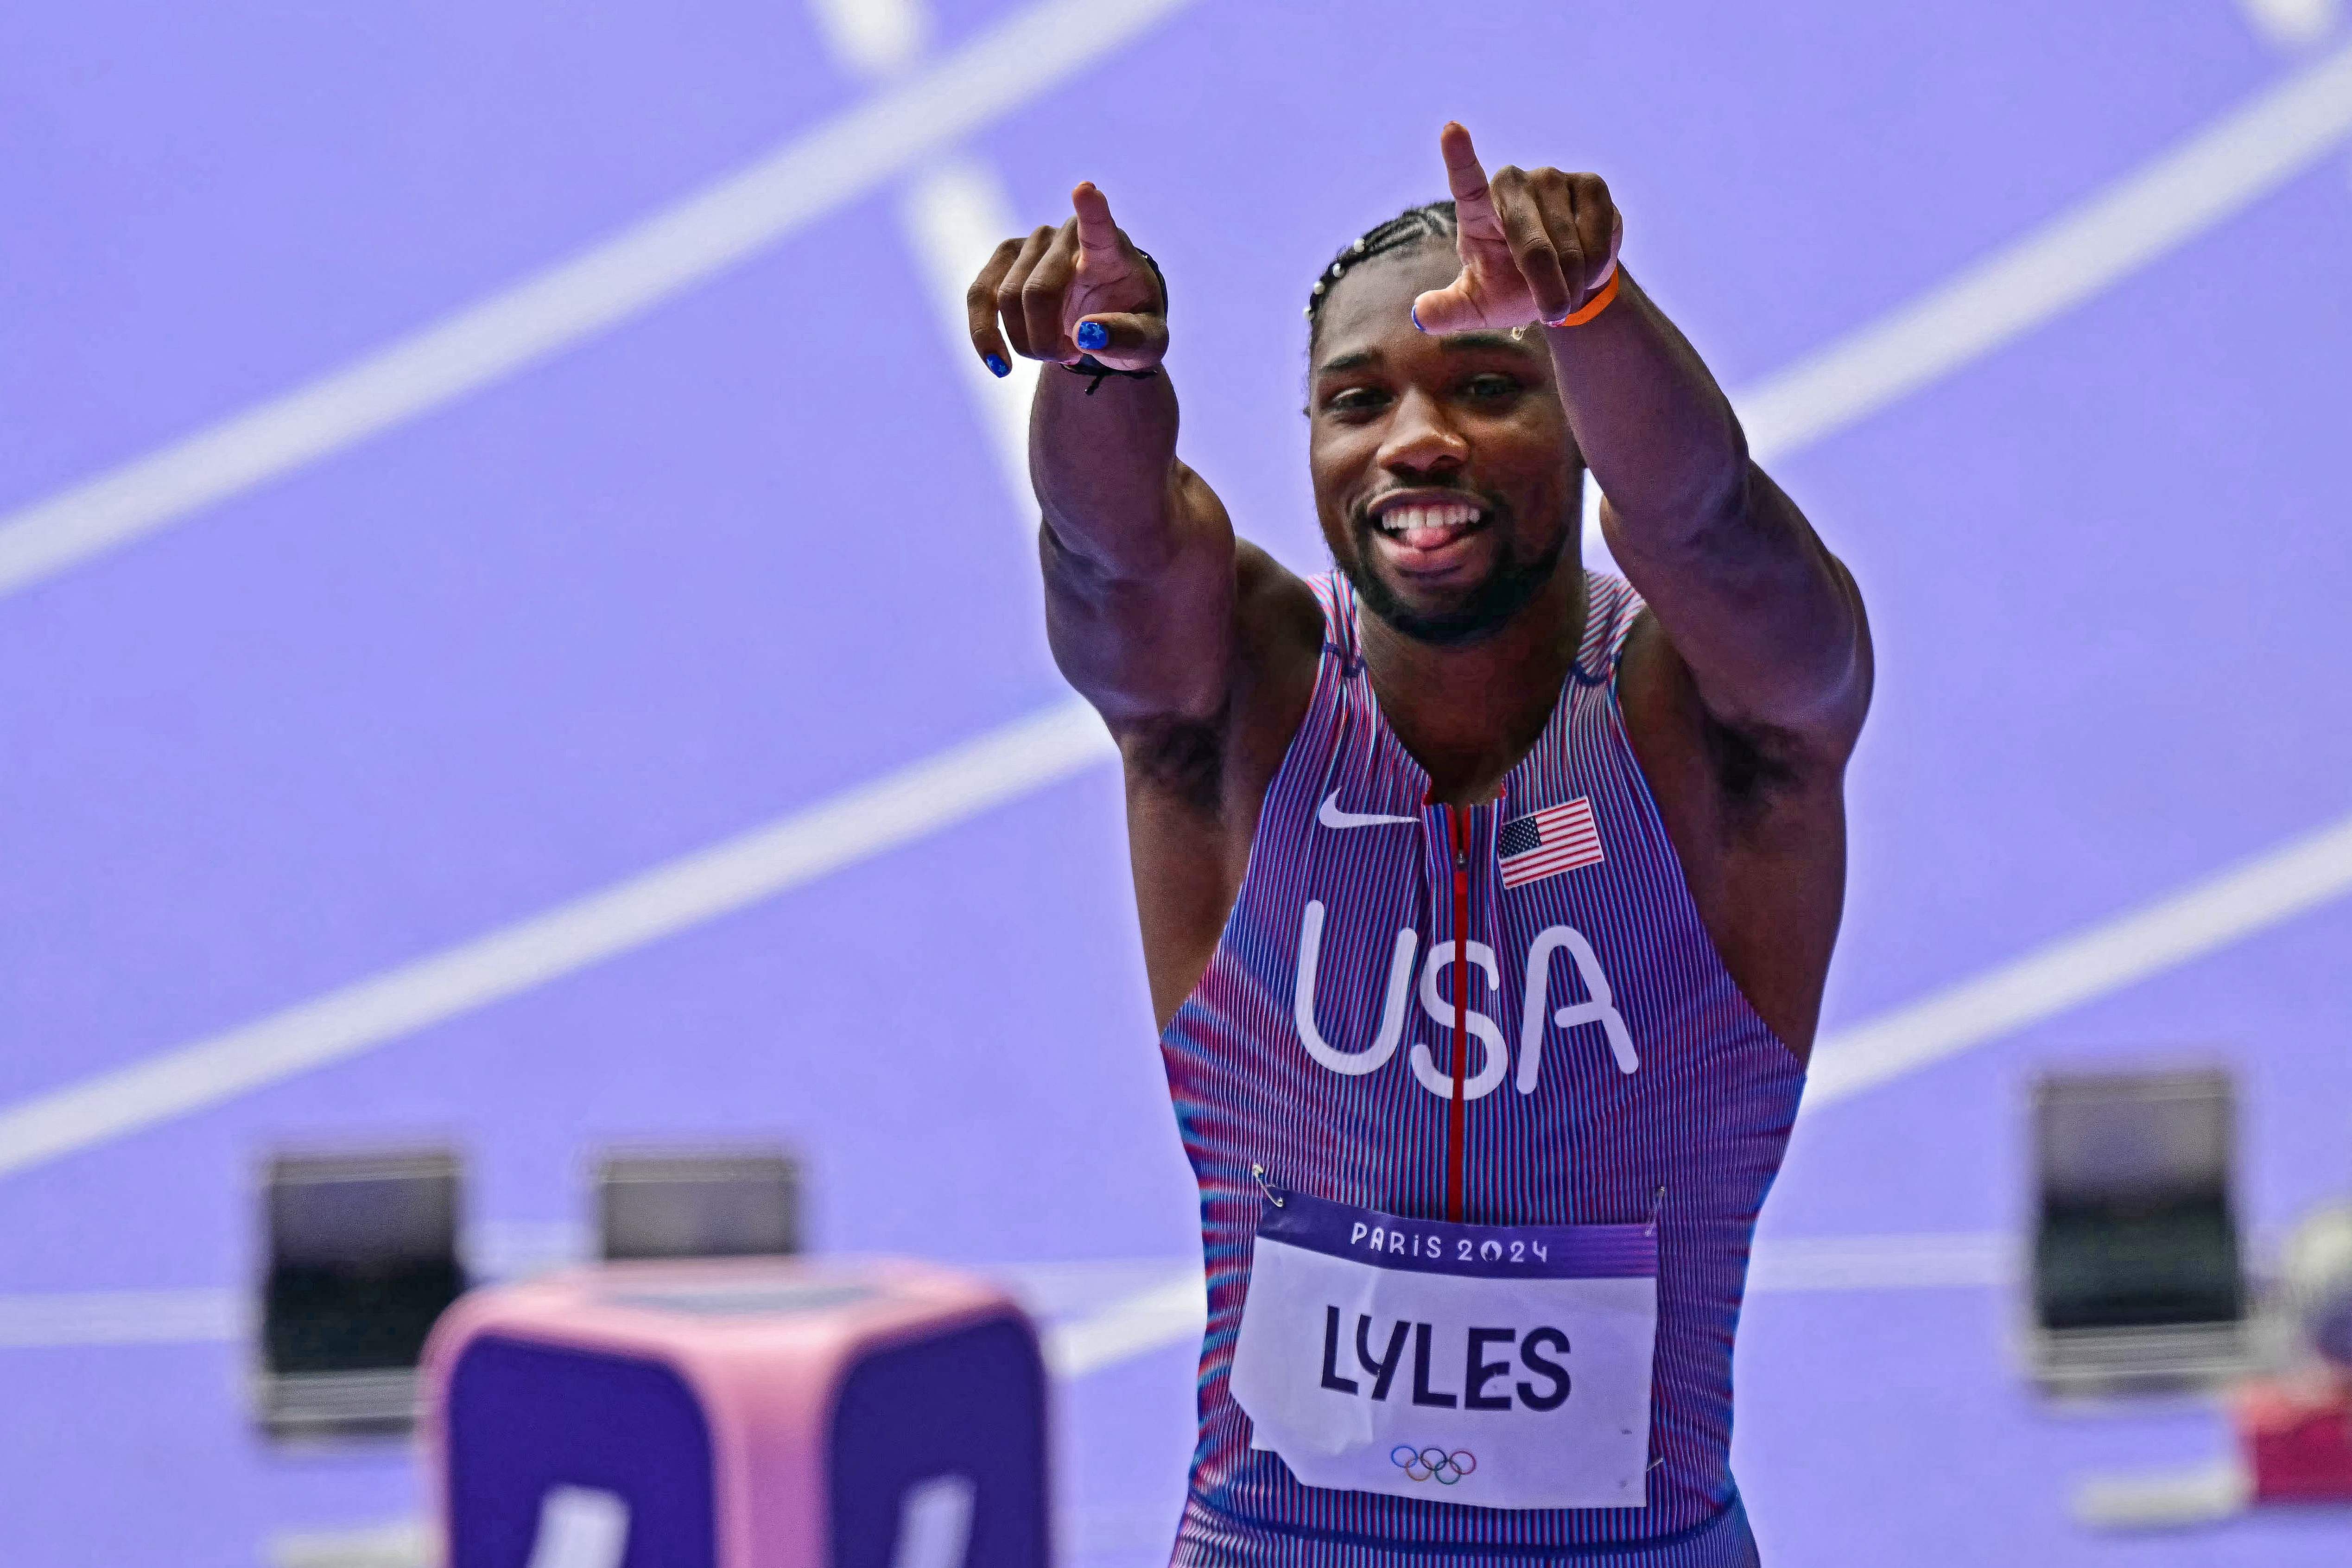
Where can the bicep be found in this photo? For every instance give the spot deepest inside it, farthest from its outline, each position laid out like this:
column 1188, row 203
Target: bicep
column 1769, row 623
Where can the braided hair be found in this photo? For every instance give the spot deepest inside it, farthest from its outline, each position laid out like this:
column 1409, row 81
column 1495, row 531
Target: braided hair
column 1408, row 229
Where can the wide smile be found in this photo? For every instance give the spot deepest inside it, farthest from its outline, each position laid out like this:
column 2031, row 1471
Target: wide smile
column 1424, row 534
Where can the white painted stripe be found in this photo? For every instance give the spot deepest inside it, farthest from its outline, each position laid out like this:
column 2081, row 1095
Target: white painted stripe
column 2215, row 174
column 2188, row 191
column 1176, row 1312
column 2179, row 1498
column 999, row 766
column 2291, row 24
column 1146, row 1302
column 1964, row 1259
column 675, row 248
column 954, row 213
column 1165, row 1314
column 393, row 1544
column 2277, row 886
column 878, row 37
column 1087, row 1300
column 1173, row 1305
column 1080, row 1287
column 2298, row 877
column 122, row 1318
column 1808, row 403
column 948, row 788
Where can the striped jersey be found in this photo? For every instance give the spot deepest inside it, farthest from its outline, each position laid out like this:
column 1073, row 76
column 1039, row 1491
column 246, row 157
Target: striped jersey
column 1613, row 1070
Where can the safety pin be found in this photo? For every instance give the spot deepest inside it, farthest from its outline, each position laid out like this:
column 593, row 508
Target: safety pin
column 1259, row 1172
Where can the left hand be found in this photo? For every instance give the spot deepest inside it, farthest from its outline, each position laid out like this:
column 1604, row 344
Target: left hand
column 1535, row 244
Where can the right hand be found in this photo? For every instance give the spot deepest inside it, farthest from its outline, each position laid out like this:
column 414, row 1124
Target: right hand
column 1044, row 287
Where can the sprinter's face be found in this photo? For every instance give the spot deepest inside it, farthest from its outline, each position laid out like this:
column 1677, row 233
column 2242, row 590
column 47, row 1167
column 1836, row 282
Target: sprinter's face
column 1446, row 478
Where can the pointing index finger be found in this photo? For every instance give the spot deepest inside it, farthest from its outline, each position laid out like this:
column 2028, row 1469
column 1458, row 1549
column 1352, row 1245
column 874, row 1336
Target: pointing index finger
column 1096, row 231
column 1473, row 203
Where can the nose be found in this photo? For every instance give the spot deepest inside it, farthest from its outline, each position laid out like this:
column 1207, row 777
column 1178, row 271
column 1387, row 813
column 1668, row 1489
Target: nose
column 1421, row 442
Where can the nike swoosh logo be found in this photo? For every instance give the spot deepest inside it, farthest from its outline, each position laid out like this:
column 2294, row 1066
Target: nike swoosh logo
column 1330, row 816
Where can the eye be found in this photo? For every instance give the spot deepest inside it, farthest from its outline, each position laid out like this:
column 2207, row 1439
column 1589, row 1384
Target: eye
column 1491, row 387
column 1356, row 400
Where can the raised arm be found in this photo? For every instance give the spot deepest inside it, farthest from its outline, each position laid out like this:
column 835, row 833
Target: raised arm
column 1767, row 622
column 1137, row 552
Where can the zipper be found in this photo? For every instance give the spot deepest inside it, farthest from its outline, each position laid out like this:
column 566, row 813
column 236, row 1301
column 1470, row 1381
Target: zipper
column 1457, row 1125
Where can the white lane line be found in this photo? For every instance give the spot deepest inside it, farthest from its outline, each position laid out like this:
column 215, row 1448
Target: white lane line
column 1929, row 1262
column 1177, row 1311
column 393, row 1544
column 2284, row 882
column 2236, row 160
column 878, row 38
column 1001, row 766
column 51, row 1320
column 1089, row 1307
column 2291, row 24
column 954, row 213
column 1110, row 1310
column 502, row 965
column 2188, row 191
column 679, row 247
column 1078, row 1288
column 941, row 790
column 1166, row 1314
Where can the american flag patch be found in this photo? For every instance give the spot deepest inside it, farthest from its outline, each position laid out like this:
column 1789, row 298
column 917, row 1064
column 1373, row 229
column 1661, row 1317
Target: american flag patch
column 1546, row 843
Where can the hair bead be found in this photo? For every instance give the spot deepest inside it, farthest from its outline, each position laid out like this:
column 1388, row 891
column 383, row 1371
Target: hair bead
column 1434, row 221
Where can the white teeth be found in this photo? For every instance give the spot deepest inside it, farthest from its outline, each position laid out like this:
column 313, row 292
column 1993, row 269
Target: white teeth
column 1446, row 514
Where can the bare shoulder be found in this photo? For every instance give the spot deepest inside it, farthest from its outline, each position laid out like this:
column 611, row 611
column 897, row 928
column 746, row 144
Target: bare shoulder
column 1279, row 634
column 1194, row 787
column 1757, row 816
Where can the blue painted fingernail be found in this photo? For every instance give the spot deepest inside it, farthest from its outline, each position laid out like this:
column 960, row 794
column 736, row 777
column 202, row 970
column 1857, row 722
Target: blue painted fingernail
column 1416, row 318
column 997, row 367
column 1093, row 335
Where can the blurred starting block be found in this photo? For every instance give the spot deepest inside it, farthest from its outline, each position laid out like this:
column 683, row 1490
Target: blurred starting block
column 2137, row 1280
column 2293, row 1446
column 699, row 1204
column 2294, row 1432
column 747, row 1413
column 2296, row 1440
column 360, row 1256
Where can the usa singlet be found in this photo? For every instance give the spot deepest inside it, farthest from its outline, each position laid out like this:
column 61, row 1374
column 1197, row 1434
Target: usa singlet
column 1615, row 1079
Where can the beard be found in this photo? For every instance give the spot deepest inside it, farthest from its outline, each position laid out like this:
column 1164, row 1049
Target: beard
column 1485, row 610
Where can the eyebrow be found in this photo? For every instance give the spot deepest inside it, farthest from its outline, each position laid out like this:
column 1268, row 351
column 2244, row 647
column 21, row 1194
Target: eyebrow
column 1451, row 343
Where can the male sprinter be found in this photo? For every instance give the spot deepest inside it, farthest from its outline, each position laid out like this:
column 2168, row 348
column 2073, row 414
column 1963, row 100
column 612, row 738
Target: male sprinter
column 1486, row 902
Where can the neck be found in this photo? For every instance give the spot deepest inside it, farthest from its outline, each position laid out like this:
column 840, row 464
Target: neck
column 1468, row 714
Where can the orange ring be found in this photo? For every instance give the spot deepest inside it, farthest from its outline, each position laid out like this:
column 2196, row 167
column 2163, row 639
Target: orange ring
column 1598, row 303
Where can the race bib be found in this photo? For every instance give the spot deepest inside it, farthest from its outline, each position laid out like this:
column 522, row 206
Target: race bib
column 1504, row 1366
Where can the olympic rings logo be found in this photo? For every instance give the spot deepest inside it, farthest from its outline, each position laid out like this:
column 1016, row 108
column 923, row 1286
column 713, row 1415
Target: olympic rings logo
column 1433, row 1464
